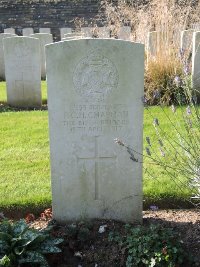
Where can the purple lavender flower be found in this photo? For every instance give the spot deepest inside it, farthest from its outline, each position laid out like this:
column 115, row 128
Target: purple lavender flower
column 148, row 151
column 162, row 152
column 173, row 108
column 181, row 53
column 119, row 142
column 186, row 69
column 144, row 100
column 155, row 122
column 177, row 81
column 188, row 110
column 148, row 140
column 153, row 207
column 156, row 94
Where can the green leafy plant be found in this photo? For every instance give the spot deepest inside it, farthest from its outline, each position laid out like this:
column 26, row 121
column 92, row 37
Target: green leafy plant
column 151, row 246
column 20, row 244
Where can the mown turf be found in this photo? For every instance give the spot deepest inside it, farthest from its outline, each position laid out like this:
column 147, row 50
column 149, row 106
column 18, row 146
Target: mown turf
column 25, row 165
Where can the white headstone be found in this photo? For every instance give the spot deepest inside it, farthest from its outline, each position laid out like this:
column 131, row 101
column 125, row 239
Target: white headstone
column 94, row 95
column 196, row 61
column 124, row 33
column 186, row 40
column 9, row 30
column 44, row 38
column 22, row 68
column 152, row 43
column 71, row 38
column 2, row 65
column 64, row 31
column 73, row 34
column 27, row 31
column 45, row 30
column 87, row 31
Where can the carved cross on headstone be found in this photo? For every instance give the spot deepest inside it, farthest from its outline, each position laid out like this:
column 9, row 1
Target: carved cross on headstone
column 97, row 158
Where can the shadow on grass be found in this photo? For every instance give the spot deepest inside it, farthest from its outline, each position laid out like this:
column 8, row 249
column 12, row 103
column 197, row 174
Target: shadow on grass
column 4, row 107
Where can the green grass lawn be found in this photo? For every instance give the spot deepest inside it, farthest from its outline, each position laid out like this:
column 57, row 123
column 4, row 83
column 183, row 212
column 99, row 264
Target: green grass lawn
column 25, row 166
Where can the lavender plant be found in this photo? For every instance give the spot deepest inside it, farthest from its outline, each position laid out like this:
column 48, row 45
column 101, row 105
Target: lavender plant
column 174, row 152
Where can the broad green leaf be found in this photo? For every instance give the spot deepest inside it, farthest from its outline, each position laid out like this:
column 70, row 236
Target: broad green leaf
column 45, row 249
column 5, row 261
column 19, row 227
column 33, row 257
column 5, row 237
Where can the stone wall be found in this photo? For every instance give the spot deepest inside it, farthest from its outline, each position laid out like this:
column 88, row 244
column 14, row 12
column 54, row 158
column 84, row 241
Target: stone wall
column 20, row 14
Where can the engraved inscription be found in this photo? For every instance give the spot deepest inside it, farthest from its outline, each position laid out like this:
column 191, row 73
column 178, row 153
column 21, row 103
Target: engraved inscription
column 95, row 76
column 96, row 118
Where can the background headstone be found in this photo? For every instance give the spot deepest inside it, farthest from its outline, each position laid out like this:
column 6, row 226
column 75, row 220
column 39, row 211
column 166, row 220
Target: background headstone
column 27, row 31
column 94, row 95
column 196, row 61
column 124, row 33
column 64, row 31
column 2, row 65
column 44, row 38
column 45, row 30
column 73, row 34
column 9, row 30
column 87, row 31
column 152, row 43
column 22, row 69
column 186, row 40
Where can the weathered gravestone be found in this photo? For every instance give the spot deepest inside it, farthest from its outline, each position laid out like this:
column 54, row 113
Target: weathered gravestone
column 87, row 31
column 27, row 31
column 44, row 38
column 94, row 95
column 124, row 33
column 9, row 30
column 186, row 40
column 196, row 62
column 45, row 30
column 23, row 72
column 152, row 44
column 2, row 64
column 64, row 31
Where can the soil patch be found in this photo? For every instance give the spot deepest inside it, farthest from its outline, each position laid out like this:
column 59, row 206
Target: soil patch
column 88, row 247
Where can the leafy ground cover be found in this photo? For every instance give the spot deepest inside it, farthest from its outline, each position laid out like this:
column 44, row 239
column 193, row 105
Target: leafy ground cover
column 91, row 243
column 25, row 166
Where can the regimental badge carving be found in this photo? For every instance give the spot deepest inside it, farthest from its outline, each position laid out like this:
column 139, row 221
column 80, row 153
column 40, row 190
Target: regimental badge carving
column 95, row 76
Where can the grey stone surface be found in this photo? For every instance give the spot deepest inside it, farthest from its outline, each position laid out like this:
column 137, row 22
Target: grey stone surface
column 87, row 31
column 64, row 31
column 152, row 43
column 196, row 61
column 45, row 30
column 9, row 30
column 186, row 40
column 27, row 31
column 44, row 38
column 124, row 33
column 22, row 69
column 94, row 95
column 2, row 64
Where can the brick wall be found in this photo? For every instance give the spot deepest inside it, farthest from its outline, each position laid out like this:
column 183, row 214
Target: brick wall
column 20, row 14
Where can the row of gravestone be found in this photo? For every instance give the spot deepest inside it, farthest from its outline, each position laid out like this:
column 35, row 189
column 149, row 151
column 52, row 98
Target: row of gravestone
column 23, row 64
column 123, row 32
column 189, row 43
